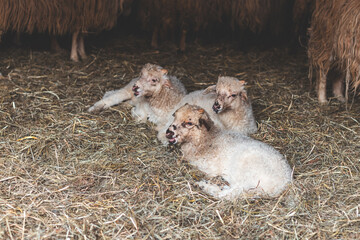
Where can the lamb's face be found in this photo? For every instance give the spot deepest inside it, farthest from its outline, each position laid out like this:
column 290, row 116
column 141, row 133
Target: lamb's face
column 189, row 123
column 229, row 93
column 152, row 79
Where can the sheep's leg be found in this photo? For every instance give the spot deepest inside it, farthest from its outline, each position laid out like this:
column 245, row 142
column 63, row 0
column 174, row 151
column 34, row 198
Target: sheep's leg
column 114, row 97
column 54, row 44
column 338, row 88
column 183, row 40
column 81, row 47
column 321, row 88
column 154, row 39
column 74, row 47
column 17, row 39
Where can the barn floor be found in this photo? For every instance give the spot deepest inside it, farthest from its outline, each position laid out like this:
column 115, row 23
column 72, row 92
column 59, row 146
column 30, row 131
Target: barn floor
column 65, row 173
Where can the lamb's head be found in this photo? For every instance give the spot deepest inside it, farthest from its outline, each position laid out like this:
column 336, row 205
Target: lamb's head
column 191, row 124
column 230, row 92
column 152, row 80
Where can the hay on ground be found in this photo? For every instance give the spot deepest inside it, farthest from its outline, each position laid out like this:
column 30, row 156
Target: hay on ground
column 65, row 173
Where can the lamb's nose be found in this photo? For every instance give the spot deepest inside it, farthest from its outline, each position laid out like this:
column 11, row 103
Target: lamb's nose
column 135, row 87
column 216, row 107
column 169, row 134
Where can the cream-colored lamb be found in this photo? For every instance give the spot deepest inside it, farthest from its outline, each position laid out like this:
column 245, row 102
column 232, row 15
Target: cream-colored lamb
column 233, row 105
column 144, row 102
column 252, row 168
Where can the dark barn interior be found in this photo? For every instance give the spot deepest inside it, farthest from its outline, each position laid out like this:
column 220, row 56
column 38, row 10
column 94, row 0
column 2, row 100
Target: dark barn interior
column 66, row 173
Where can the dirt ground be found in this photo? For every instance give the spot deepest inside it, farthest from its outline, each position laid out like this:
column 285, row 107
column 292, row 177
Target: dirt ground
column 68, row 174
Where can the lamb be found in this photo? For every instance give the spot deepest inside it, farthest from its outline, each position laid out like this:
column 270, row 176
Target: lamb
column 141, row 110
column 252, row 168
column 233, row 105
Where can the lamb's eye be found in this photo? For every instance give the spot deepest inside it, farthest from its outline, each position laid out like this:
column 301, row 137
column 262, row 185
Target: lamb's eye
column 233, row 95
column 154, row 80
column 187, row 124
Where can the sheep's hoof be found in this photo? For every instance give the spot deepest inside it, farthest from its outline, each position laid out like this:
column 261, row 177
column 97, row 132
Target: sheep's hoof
column 74, row 58
column 341, row 98
column 83, row 56
column 323, row 102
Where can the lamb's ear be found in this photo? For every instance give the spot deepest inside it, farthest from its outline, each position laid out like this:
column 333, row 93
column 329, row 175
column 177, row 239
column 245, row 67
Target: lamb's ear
column 210, row 89
column 164, row 71
column 206, row 121
column 242, row 82
column 243, row 94
column 167, row 83
column 201, row 110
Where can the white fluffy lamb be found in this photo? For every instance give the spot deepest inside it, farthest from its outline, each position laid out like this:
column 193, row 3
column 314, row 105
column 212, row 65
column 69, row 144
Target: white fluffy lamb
column 233, row 105
column 252, row 168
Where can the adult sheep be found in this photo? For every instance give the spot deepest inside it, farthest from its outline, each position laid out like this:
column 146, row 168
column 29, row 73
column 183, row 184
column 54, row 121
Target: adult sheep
column 334, row 44
column 60, row 17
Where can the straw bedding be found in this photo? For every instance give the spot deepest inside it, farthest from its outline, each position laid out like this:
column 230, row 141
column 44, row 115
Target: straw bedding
column 65, row 173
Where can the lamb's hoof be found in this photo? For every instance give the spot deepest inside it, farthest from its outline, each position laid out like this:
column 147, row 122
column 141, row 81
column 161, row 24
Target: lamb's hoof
column 202, row 184
column 91, row 109
column 96, row 108
column 219, row 181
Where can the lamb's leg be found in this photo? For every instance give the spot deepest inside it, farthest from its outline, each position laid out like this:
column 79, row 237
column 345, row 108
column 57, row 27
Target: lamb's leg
column 338, row 88
column 74, row 47
column 141, row 110
column 215, row 190
column 81, row 47
column 321, row 88
column 114, row 97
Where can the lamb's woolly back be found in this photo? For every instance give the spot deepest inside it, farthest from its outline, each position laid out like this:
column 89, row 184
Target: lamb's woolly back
column 250, row 166
column 233, row 105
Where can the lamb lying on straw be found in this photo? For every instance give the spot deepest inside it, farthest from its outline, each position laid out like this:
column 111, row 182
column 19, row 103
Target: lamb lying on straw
column 252, row 168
